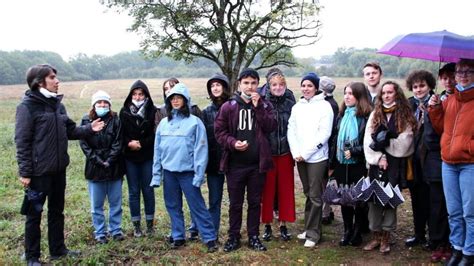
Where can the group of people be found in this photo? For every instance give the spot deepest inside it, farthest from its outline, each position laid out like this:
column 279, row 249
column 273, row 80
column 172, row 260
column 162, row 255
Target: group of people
column 251, row 140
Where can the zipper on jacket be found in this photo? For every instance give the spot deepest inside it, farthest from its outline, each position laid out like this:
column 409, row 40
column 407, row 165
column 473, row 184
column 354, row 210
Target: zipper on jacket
column 278, row 131
column 57, row 140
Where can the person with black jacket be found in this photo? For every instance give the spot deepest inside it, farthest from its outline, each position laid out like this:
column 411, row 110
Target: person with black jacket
column 280, row 181
column 103, row 169
column 42, row 130
column 137, row 118
column 422, row 84
column 347, row 155
column 219, row 92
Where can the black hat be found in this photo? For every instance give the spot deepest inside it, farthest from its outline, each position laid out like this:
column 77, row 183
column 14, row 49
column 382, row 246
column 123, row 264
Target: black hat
column 249, row 72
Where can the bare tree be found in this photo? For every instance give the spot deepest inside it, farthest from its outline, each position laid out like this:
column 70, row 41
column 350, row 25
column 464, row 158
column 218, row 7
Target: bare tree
column 234, row 34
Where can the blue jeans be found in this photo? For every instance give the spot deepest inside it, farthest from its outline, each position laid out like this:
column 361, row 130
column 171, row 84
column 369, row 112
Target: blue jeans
column 174, row 185
column 458, row 184
column 215, row 185
column 139, row 178
column 98, row 191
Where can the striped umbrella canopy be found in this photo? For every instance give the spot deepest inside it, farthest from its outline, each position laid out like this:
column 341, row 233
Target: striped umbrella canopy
column 439, row 46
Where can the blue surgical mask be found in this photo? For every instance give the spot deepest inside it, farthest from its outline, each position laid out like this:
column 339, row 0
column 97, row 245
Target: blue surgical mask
column 102, row 111
column 461, row 88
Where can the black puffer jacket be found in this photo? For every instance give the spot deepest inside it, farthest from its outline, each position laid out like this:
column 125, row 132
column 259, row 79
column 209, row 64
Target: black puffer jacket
column 42, row 131
column 135, row 127
column 208, row 117
column 215, row 151
column 103, row 150
column 282, row 105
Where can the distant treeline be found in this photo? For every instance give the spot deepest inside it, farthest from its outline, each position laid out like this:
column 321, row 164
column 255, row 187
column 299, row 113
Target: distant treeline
column 346, row 62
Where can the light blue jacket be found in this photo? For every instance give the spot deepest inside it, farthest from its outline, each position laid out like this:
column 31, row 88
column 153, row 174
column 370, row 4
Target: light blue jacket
column 180, row 144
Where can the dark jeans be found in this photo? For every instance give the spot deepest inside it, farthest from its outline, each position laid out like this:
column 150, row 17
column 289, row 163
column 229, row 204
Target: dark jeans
column 420, row 202
column 239, row 179
column 53, row 186
column 139, row 178
column 439, row 225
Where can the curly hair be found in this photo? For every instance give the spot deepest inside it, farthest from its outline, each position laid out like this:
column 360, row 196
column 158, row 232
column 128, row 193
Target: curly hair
column 403, row 114
column 419, row 76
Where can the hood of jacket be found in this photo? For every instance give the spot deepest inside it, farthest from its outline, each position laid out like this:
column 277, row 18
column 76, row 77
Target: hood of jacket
column 218, row 77
column 138, row 85
column 182, row 90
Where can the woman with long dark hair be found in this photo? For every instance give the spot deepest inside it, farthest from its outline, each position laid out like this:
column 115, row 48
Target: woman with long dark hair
column 348, row 161
column 388, row 142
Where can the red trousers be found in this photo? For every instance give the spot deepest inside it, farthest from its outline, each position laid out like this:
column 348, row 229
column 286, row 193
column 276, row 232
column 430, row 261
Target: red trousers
column 281, row 180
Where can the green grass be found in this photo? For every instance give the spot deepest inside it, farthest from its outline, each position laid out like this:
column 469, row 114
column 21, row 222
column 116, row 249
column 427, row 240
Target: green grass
column 154, row 250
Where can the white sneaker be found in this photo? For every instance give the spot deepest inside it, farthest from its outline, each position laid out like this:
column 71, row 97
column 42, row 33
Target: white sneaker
column 309, row 244
column 302, row 236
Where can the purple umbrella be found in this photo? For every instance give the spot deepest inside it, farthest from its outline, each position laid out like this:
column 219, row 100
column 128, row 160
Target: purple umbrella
column 440, row 46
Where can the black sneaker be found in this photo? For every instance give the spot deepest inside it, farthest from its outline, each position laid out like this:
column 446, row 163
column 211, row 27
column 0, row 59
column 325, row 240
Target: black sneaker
column 66, row 253
column 177, row 244
column 193, row 236
column 267, row 234
column 101, row 240
column 211, row 246
column 231, row 244
column 285, row 236
column 255, row 244
column 169, row 239
column 118, row 237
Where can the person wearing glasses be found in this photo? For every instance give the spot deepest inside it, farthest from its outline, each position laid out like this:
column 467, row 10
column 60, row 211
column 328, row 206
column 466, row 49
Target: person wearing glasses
column 453, row 120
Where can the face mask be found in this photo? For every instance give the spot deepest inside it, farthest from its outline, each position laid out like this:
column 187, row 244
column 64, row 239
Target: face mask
column 138, row 103
column 461, row 88
column 245, row 96
column 101, row 111
column 46, row 93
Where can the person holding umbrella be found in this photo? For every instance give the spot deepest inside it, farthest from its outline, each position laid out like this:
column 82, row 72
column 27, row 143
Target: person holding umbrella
column 388, row 142
column 347, row 160
column 453, row 120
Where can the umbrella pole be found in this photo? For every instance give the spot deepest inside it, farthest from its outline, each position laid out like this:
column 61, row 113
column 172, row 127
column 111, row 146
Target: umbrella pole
column 436, row 88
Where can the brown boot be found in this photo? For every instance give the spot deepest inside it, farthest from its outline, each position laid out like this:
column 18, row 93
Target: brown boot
column 374, row 243
column 385, row 242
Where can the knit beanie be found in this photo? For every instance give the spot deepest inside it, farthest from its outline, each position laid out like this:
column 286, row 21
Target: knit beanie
column 100, row 96
column 249, row 72
column 327, row 85
column 313, row 78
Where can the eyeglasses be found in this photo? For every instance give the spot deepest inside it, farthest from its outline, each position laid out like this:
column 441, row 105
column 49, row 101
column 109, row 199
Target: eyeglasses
column 461, row 73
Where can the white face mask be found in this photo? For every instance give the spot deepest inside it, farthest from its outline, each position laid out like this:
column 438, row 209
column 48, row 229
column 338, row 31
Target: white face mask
column 138, row 103
column 46, row 93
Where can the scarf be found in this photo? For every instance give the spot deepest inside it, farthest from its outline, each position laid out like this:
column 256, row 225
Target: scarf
column 389, row 108
column 421, row 109
column 348, row 136
column 139, row 111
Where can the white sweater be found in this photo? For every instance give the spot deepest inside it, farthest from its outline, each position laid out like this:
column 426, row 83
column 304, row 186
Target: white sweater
column 309, row 129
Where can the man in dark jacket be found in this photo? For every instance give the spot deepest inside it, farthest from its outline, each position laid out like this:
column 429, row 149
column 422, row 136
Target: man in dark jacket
column 241, row 128
column 42, row 131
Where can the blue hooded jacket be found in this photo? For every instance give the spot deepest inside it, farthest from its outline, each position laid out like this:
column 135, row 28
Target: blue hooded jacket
column 180, row 144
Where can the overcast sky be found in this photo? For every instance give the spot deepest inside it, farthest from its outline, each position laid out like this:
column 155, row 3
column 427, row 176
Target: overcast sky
column 69, row 27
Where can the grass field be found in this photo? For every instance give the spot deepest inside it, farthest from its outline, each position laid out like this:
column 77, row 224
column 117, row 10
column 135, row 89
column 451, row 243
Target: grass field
column 154, row 250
